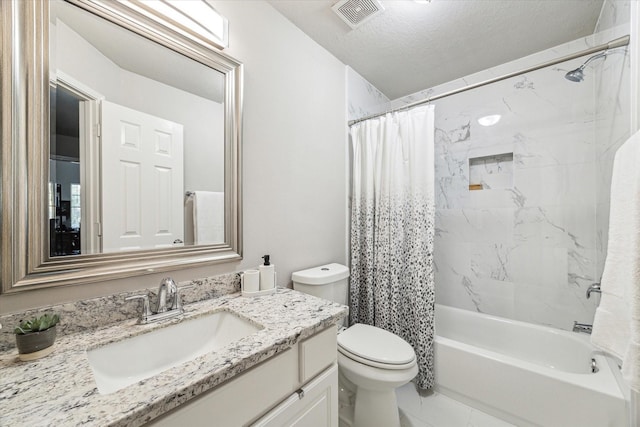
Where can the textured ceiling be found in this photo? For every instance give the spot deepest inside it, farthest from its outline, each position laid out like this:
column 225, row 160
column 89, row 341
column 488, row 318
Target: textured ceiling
column 412, row 46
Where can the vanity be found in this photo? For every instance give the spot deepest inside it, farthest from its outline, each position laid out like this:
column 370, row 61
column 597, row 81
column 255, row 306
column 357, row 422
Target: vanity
column 284, row 373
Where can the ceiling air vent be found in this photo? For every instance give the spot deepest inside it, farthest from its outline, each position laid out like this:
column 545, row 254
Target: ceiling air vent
column 357, row 12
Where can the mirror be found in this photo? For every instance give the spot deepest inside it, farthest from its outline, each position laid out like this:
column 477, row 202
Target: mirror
column 158, row 151
column 133, row 164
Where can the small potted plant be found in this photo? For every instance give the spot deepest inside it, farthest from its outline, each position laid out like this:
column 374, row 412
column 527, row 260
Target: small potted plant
column 35, row 337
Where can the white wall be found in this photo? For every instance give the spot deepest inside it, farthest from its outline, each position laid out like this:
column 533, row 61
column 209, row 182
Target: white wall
column 294, row 141
column 294, row 156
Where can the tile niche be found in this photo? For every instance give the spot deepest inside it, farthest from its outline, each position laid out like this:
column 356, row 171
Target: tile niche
column 491, row 172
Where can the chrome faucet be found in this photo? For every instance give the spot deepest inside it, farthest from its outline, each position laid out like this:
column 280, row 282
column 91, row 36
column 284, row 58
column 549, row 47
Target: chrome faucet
column 593, row 288
column 169, row 303
column 166, row 291
column 582, row 327
column 585, row 327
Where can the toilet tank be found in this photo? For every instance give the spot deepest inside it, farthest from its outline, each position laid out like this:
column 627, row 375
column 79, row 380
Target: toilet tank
column 330, row 281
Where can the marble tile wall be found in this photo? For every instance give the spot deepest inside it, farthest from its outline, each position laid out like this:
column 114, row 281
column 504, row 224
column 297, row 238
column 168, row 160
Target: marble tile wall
column 363, row 98
column 524, row 250
column 613, row 113
column 614, row 13
column 529, row 251
column 89, row 314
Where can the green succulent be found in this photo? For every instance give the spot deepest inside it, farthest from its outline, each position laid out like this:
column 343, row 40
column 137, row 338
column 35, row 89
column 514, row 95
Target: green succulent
column 37, row 324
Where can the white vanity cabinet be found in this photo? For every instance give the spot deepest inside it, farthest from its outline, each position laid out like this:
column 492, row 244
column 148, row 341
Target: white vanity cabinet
column 298, row 387
column 315, row 404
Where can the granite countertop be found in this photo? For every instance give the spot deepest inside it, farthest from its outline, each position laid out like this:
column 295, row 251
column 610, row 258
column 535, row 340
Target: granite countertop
column 59, row 390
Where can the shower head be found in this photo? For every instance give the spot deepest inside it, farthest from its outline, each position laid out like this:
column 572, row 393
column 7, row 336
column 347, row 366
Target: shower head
column 575, row 75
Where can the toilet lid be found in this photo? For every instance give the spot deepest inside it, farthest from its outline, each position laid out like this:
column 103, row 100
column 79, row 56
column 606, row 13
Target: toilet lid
column 375, row 344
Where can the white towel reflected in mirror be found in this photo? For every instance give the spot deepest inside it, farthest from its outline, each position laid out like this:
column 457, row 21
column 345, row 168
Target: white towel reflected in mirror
column 204, row 218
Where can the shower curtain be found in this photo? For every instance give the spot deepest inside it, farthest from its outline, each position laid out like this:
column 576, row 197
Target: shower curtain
column 392, row 229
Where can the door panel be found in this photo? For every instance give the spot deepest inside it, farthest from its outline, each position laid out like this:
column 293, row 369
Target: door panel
column 142, row 179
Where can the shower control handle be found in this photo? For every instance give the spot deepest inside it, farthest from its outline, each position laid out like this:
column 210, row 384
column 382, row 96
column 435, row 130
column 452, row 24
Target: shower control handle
column 593, row 288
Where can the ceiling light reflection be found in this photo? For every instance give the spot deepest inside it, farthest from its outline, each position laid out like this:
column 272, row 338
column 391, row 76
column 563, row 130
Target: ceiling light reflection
column 489, row 120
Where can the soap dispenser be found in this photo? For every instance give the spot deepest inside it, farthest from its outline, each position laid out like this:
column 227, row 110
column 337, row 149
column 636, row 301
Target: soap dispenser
column 267, row 274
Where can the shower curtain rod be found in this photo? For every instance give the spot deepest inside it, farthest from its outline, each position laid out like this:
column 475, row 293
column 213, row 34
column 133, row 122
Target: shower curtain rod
column 619, row 42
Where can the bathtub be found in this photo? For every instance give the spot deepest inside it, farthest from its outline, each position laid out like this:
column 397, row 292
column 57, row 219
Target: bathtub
column 526, row 374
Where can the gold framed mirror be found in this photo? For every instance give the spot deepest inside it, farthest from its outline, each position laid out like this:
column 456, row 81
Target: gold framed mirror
column 75, row 206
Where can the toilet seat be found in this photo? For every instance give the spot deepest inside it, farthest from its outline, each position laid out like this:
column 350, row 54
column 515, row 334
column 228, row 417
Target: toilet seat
column 376, row 347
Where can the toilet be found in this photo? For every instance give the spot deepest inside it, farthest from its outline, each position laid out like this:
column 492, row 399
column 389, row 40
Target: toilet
column 372, row 362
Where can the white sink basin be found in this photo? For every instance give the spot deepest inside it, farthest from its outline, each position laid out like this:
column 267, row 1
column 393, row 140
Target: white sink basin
column 126, row 362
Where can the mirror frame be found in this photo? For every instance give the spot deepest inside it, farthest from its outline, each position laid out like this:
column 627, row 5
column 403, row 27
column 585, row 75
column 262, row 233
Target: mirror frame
column 24, row 132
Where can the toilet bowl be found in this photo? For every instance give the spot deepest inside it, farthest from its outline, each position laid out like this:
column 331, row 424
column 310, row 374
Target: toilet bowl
column 372, row 362
column 376, row 362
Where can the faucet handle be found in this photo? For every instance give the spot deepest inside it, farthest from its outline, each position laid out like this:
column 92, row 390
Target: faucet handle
column 146, row 307
column 177, row 300
column 595, row 287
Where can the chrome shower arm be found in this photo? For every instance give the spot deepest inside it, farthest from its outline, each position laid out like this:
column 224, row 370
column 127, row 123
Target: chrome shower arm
column 594, row 57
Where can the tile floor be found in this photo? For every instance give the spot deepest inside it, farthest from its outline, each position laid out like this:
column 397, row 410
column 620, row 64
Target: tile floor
column 437, row 410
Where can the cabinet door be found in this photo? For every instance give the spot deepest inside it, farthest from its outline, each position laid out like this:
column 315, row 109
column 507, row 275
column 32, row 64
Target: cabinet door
column 316, row 406
column 241, row 400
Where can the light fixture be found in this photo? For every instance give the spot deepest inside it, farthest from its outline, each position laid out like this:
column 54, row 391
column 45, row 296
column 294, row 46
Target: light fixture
column 197, row 20
column 489, row 120
column 422, row 1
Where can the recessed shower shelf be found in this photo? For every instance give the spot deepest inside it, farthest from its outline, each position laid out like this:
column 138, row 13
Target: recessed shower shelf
column 494, row 172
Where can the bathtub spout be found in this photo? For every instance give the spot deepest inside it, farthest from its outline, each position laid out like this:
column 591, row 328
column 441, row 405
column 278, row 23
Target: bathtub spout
column 582, row 327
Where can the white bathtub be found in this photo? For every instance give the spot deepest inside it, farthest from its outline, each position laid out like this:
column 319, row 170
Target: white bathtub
column 526, row 374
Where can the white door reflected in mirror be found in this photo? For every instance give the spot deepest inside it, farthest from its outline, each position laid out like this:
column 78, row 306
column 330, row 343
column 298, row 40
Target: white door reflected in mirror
column 142, row 180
